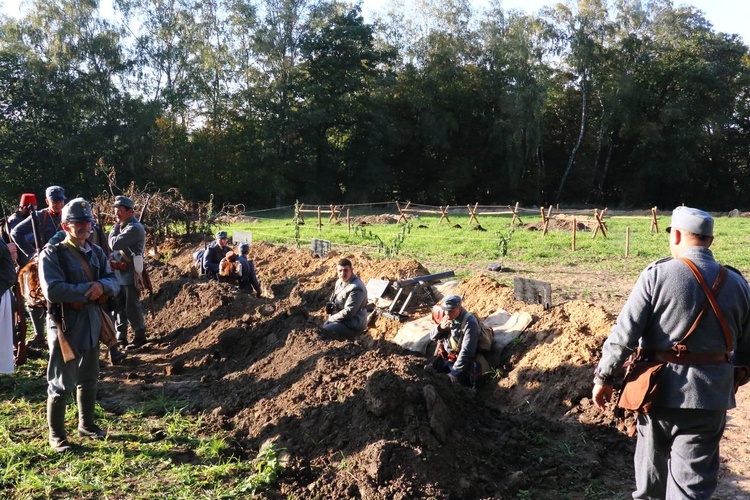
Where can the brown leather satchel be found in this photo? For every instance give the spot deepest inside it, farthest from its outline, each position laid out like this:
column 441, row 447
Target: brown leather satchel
column 641, row 387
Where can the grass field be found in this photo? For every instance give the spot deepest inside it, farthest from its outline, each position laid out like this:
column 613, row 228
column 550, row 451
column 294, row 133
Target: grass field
column 161, row 450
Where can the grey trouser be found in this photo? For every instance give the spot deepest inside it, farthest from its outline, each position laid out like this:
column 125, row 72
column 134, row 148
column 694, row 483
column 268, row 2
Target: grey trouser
column 38, row 316
column 677, row 454
column 129, row 310
column 63, row 378
column 340, row 329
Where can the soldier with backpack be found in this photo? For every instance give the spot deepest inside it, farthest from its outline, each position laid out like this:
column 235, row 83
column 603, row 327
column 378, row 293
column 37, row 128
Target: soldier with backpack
column 457, row 335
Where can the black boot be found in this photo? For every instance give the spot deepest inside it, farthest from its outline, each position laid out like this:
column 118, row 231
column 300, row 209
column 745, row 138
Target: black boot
column 139, row 339
column 86, row 426
column 56, row 423
column 116, row 355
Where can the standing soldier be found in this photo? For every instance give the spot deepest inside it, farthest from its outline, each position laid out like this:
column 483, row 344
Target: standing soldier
column 669, row 317
column 75, row 277
column 128, row 242
column 30, row 236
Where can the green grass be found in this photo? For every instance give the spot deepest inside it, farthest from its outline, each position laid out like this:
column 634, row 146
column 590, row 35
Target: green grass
column 156, row 450
column 430, row 241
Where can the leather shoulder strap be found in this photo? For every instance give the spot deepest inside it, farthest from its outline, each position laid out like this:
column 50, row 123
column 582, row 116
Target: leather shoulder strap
column 84, row 264
column 712, row 299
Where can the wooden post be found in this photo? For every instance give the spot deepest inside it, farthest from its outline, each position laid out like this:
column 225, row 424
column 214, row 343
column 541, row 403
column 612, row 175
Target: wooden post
column 515, row 215
column 654, row 223
column 298, row 212
column 401, row 212
column 320, row 223
column 599, row 223
column 444, row 214
column 348, row 222
column 627, row 241
column 473, row 213
column 544, row 221
column 575, row 227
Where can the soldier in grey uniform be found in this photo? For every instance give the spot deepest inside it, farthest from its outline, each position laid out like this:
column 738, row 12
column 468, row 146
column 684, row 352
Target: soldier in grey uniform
column 677, row 453
column 127, row 240
column 30, row 236
column 64, row 270
column 346, row 306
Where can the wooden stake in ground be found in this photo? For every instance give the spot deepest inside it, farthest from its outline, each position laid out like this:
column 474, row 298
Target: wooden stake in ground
column 402, row 215
column 599, row 223
column 473, row 214
column 335, row 212
column 627, row 241
column 320, row 222
column 545, row 220
column 444, row 214
column 575, row 227
column 515, row 216
column 654, row 222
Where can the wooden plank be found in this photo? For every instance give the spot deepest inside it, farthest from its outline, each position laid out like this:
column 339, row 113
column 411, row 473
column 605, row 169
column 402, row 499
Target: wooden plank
column 532, row 291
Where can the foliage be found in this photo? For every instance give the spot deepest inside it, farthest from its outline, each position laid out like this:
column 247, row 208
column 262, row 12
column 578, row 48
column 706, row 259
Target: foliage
column 266, row 470
column 259, row 103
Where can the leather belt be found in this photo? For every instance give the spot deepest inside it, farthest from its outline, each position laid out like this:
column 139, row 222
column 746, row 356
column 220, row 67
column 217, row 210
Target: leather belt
column 688, row 358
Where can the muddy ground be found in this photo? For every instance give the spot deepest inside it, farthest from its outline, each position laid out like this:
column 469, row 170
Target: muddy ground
column 362, row 418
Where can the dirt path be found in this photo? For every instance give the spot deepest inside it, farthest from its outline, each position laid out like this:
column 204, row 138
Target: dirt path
column 363, row 418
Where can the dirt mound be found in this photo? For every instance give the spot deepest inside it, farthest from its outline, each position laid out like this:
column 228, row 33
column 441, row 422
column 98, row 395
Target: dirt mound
column 563, row 222
column 363, row 418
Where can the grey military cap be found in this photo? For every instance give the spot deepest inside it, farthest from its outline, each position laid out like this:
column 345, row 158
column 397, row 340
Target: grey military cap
column 124, row 201
column 692, row 220
column 451, row 302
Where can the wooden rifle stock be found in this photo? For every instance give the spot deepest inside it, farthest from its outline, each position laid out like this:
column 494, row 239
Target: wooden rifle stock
column 20, row 323
column 55, row 314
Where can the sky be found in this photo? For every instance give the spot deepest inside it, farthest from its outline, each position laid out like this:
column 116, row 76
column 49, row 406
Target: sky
column 728, row 16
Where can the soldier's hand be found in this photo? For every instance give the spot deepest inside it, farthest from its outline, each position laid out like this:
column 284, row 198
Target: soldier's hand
column 446, row 323
column 601, row 395
column 95, row 290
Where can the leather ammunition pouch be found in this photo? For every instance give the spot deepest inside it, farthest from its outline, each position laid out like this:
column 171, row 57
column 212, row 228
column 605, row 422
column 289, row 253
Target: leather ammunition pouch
column 119, row 265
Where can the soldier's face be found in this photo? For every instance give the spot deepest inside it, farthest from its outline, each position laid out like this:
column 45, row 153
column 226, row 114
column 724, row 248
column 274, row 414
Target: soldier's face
column 55, row 206
column 122, row 213
column 344, row 272
column 78, row 231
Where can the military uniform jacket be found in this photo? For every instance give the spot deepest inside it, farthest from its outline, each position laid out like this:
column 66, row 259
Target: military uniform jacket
column 44, row 223
column 460, row 339
column 661, row 308
column 213, row 255
column 84, row 325
column 350, row 299
column 126, row 240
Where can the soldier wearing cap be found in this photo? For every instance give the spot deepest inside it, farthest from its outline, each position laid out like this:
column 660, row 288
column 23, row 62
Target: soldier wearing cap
column 457, row 337
column 346, row 306
column 127, row 240
column 677, row 453
column 216, row 251
column 30, row 236
column 75, row 274
column 25, row 207
column 249, row 278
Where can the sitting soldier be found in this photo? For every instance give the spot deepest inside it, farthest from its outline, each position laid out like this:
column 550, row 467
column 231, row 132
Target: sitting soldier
column 346, row 306
column 216, row 251
column 248, row 277
column 457, row 336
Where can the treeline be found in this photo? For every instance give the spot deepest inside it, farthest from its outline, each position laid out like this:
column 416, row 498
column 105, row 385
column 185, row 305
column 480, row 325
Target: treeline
column 622, row 103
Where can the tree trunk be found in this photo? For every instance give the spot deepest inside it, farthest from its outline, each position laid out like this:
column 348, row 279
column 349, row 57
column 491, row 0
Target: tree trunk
column 578, row 142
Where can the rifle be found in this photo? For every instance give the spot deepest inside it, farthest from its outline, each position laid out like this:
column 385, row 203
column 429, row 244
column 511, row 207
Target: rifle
column 55, row 312
column 20, row 324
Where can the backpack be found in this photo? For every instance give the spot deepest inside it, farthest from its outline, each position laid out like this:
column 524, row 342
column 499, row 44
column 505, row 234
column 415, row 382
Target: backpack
column 486, row 334
column 198, row 260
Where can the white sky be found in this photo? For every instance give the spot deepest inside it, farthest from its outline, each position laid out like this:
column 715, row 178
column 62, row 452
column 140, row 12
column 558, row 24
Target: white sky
column 728, row 16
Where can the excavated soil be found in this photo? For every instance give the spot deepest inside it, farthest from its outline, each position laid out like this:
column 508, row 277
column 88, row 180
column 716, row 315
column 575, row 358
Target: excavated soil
column 363, row 418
